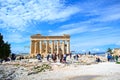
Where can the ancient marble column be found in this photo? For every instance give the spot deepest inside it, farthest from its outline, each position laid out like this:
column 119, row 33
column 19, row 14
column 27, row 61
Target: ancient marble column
column 58, row 46
column 37, row 47
column 47, row 44
column 43, row 46
column 55, row 46
column 40, row 47
column 52, row 47
column 68, row 47
column 63, row 47
column 32, row 47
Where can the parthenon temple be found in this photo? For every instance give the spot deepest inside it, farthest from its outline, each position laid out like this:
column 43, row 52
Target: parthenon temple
column 49, row 44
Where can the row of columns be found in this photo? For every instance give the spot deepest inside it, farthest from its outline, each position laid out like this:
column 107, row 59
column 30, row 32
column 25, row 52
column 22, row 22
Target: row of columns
column 43, row 46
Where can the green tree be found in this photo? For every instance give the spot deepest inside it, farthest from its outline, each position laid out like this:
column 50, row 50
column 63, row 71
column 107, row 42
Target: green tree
column 109, row 50
column 1, row 45
column 4, row 48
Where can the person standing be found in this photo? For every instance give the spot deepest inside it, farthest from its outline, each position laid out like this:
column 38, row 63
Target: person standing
column 39, row 57
column 13, row 57
column 48, row 56
column 64, row 57
column 108, row 57
column 116, row 58
column 60, row 57
column 54, row 57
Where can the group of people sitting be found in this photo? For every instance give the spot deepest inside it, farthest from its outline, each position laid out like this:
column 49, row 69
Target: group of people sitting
column 53, row 57
column 11, row 58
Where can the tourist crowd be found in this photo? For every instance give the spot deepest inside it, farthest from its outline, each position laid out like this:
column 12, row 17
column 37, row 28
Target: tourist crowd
column 112, row 58
column 53, row 57
column 60, row 57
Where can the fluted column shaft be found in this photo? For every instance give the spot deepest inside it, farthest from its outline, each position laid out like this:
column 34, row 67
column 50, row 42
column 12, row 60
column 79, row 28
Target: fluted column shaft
column 63, row 47
column 47, row 46
column 68, row 47
column 52, row 47
column 40, row 47
column 57, row 46
column 32, row 47
column 35, row 50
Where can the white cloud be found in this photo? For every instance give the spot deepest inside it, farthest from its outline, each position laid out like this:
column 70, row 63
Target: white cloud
column 74, row 25
column 83, row 50
column 61, row 14
column 18, row 13
column 95, row 50
column 101, row 28
column 16, row 38
column 50, row 31
column 106, row 14
column 70, row 31
column 94, row 41
column 19, row 49
column 80, row 27
column 118, row 43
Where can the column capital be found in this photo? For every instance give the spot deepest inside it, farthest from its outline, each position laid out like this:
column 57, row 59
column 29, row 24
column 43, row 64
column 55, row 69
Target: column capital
column 68, row 40
column 32, row 40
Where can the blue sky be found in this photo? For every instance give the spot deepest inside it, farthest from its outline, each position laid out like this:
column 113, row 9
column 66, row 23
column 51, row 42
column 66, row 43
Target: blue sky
column 94, row 25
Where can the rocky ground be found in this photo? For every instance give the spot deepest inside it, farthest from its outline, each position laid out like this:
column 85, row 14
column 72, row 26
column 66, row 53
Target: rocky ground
column 85, row 68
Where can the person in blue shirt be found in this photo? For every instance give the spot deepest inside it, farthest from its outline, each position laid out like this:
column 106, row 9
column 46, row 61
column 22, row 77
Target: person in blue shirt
column 39, row 57
column 109, row 57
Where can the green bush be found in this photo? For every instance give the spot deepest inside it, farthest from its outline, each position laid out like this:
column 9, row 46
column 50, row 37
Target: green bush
column 118, row 62
column 42, row 68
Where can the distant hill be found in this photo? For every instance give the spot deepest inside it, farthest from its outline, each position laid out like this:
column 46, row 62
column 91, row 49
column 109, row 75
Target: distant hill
column 97, row 53
column 23, row 54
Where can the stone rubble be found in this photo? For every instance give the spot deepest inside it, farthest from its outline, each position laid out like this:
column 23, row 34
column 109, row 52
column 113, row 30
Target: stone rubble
column 25, row 69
